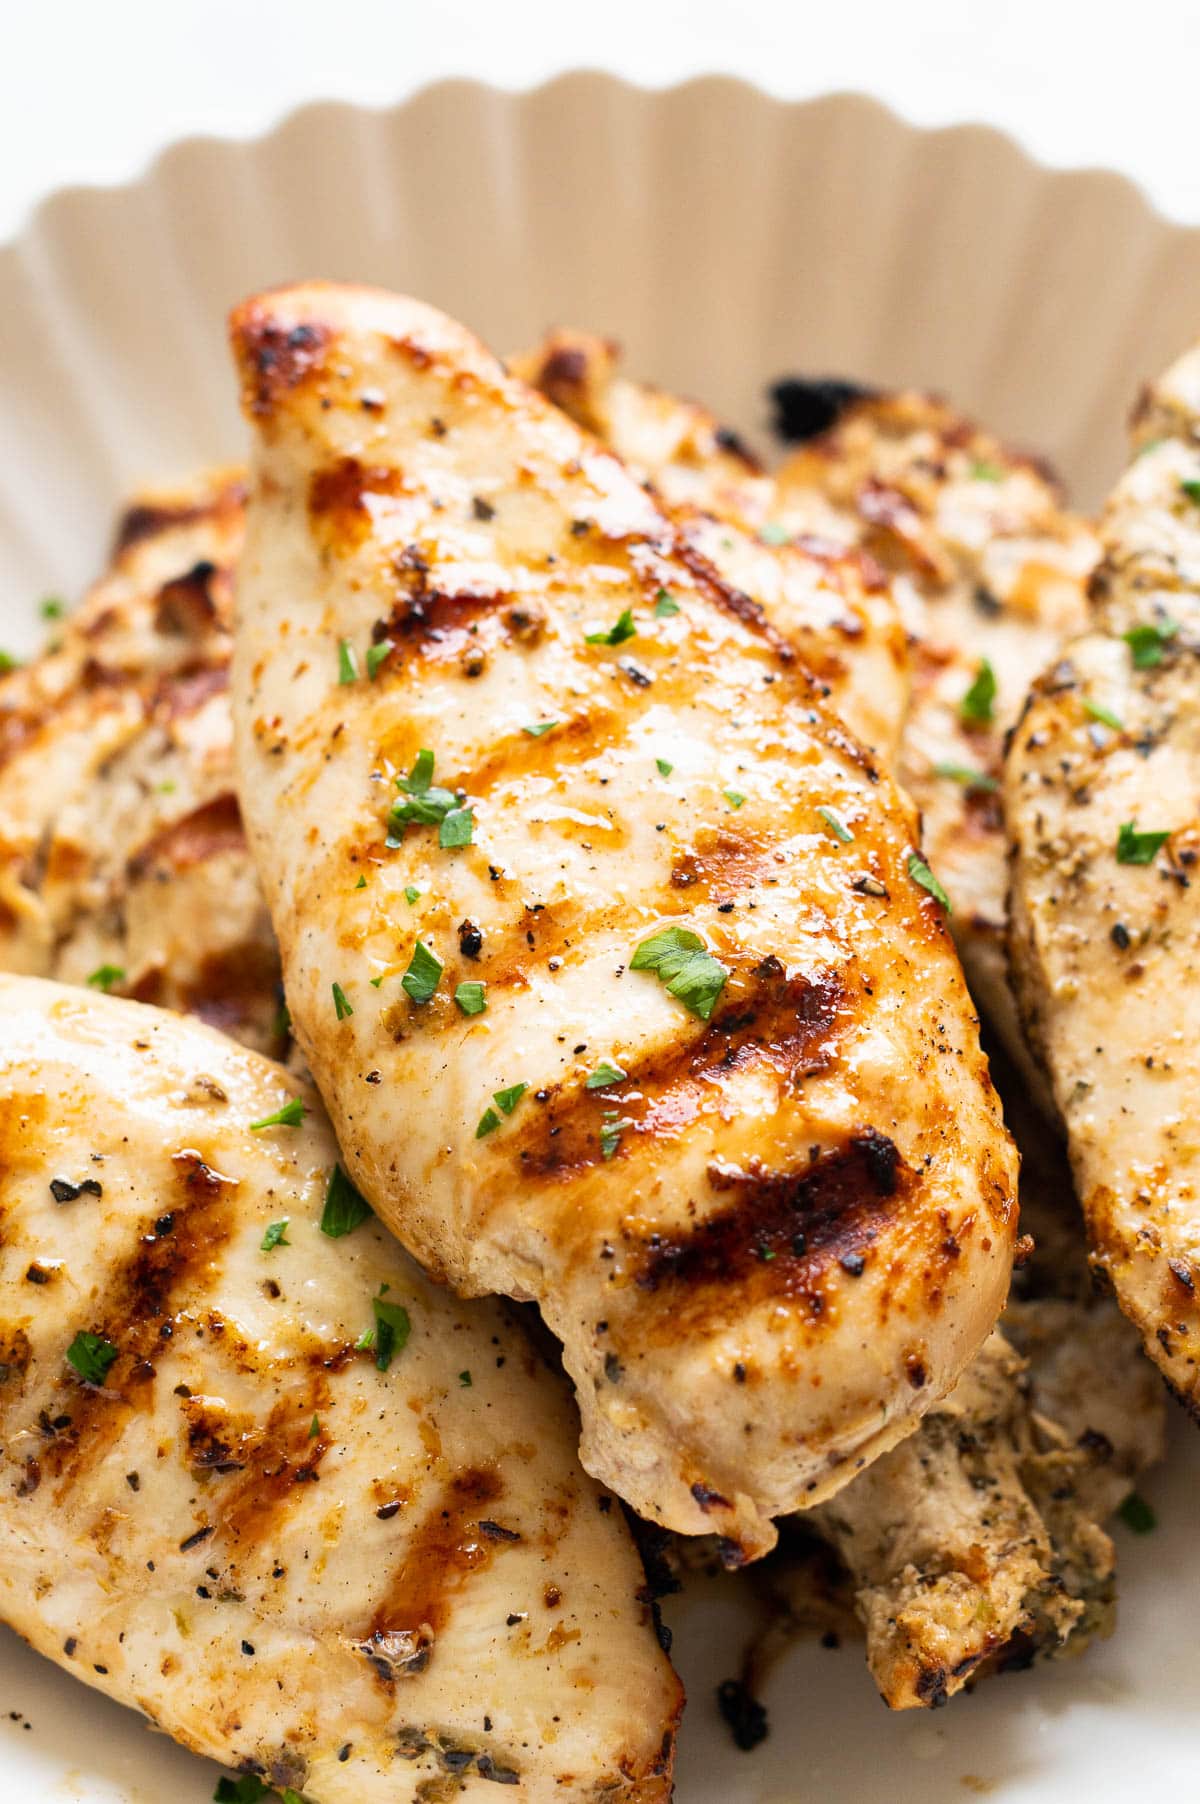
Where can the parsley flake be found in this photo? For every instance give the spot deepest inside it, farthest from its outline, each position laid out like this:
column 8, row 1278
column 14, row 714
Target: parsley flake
column 344, row 1208
column 540, row 728
column 1191, row 489
column 1148, row 642
column 290, row 1115
column 665, row 605
column 978, row 704
column 984, row 470
column 1138, row 848
column 104, row 977
column 613, row 1125
column 91, row 1356
column 347, row 662
column 276, row 1235
column 489, row 1121
column 342, row 1006
column 734, row 797
column 774, row 534
column 1105, row 716
column 972, row 780
column 423, row 975
column 362, row 881
column 8, row 662
column 247, row 1789
column 465, row 1379
column 681, row 961
column 1136, row 1514
column 426, row 806
column 605, row 1075
column 392, row 1329
column 836, row 825
column 52, row 608
column 665, row 767
column 920, row 873
column 471, row 997
column 314, row 1428
column 457, row 829
column 505, row 1101
column 623, row 628
column 411, row 893
column 376, row 655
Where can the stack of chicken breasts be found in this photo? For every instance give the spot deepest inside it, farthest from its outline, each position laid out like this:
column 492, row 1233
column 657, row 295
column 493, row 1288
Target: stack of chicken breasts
column 508, row 849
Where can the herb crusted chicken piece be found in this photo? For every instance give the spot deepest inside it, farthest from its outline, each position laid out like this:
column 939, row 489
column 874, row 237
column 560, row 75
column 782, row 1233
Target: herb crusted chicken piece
column 259, row 1478
column 122, row 855
column 1101, row 803
column 610, row 949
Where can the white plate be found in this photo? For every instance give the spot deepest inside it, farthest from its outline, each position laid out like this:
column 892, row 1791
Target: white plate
column 726, row 238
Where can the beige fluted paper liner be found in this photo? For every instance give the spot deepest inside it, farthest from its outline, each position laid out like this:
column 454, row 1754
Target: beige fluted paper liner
column 726, row 238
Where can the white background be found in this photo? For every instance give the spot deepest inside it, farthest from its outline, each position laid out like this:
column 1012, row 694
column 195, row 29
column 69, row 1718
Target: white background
column 89, row 91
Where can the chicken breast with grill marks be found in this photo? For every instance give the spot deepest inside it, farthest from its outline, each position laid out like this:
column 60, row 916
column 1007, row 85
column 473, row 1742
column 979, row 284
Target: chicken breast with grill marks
column 990, row 572
column 121, row 845
column 1101, row 802
column 607, row 944
column 832, row 602
column 367, row 1572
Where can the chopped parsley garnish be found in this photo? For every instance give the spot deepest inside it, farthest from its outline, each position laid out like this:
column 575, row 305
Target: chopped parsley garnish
column 248, row 1789
column 362, row 881
column 276, row 1235
column 623, row 628
column 347, row 662
column 611, row 1130
column 665, row 605
column 604, row 1076
column 978, row 704
column 314, row 1428
column 411, row 893
column 1136, row 1514
column 965, row 774
column 836, row 825
column 290, row 1115
column 52, row 608
column 104, row 977
column 8, row 662
column 423, row 975
column 392, row 1329
column 464, row 1378
column 505, row 1101
column 344, row 1208
column 91, row 1356
column 1191, row 489
column 1148, row 642
column 343, row 1008
column 983, row 470
column 1138, row 848
column 774, row 534
column 376, row 655
column 665, row 767
column 681, row 961
column 920, row 873
column 471, row 997
column 540, row 728
column 734, row 797
column 1105, row 716
column 457, row 829
column 427, row 806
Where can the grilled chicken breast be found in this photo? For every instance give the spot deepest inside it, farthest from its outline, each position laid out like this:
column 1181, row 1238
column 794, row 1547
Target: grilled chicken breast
column 367, row 1572
column 121, row 846
column 608, row 946
column 834, row 603
column 990, row 574
column 1101, row 801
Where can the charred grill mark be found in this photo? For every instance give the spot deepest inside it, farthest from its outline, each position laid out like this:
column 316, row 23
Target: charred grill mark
column 275, row 358
column 784, row 1227
column 730, row 600
column 185, row 692
column 139, row 1303
column 772, row 1020
column 804, row 407
column 148, row 519
column 201, row 834
column 269, row 1466
column 441, row 1554
column 340, row 499
column 188, row 606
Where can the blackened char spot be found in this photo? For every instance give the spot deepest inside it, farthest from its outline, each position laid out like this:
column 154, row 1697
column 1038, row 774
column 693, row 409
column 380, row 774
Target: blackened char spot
column 746, row 1717
column 802, row 407
column 274, row 356
column 782, row 1219
column 147, row 519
